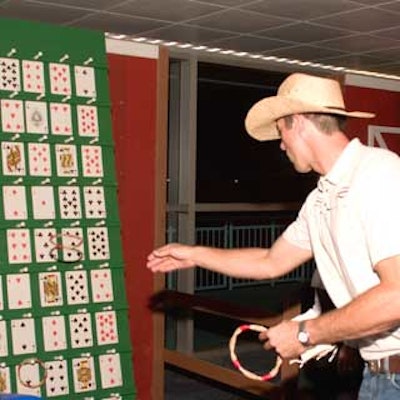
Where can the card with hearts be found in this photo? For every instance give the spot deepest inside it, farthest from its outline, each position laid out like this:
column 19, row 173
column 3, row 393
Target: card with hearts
column 39, row 159
column 19, row 291
column 12, row 116
column 61, row 119
column 54, row 336
column 19, row 246
column 33, row 76
column 60, row 79
column 13, row 158
column 43, row 202
column 102, row 286
column 110, row 370
column 106, row 327
column 14, row 201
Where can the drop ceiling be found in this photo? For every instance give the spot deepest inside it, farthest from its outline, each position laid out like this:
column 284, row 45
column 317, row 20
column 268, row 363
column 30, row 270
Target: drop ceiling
column 355, row 34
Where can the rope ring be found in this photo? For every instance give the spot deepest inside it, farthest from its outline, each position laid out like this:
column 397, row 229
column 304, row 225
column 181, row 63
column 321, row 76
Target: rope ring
column 248, row 374
column 32, row 361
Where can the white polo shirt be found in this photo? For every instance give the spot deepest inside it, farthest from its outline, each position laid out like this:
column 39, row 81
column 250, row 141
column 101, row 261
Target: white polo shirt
column 350, row 222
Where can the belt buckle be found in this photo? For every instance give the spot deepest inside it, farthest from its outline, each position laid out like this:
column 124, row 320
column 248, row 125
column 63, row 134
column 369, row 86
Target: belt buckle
column 376, row 366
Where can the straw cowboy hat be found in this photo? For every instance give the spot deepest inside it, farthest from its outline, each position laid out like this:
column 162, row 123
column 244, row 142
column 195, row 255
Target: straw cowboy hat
column 298, row 93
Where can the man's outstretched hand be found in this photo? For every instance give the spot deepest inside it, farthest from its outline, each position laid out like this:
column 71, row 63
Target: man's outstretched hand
column 170, row 257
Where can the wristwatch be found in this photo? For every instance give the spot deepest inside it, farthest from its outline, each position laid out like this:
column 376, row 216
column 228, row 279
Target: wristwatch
column 302, row 335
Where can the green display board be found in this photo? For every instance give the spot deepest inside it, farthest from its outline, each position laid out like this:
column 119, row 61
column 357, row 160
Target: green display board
column 64, row 329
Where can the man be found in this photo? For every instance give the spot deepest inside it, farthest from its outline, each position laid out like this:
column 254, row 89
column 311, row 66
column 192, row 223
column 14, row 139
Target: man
column 350, row 224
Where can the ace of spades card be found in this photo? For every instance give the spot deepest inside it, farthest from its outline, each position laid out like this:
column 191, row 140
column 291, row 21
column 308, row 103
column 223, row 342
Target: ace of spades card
column 28, row 379
column 85, row 82
column 72, row 245
column 19, row 246
column 36, row 117
column 88, row 124
column 102, row 287
column 12, row 116
column 5, row 381
column 13, row 158
column 98, row 243
column 44, row 239
column 110, row 370
column 60, row 119
column 106, row 327
column 94, row 201
column 10, row 75
column 84, row 375
column 57, row 378
column 81, row 333
column 23, row 336
column 66, row 161
column 39, row 159
column 92, row 161
column 60, row 79
column 50, row 289
column 77, row 287
column 43, row 202
column 54, row 336
column 14, row 201
column 19, row 291
column 70, row 202
column 3, row 341
column 33, row 76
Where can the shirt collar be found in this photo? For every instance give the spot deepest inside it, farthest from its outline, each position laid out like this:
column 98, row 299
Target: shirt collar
column 342, row 170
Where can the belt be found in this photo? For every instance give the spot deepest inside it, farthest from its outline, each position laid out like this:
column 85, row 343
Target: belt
column 388, row 365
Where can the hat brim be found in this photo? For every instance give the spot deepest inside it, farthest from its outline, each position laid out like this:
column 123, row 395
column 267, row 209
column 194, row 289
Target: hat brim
column 261, row 119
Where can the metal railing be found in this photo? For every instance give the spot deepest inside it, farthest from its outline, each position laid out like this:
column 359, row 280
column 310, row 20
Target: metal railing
column 232, row 236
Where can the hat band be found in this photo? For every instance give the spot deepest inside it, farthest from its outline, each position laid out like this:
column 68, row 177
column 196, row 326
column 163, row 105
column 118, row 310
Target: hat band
column 336, row 108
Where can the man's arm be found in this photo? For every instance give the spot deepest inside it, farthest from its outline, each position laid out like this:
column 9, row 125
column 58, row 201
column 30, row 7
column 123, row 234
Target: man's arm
column 250, row 263
column 373, row 312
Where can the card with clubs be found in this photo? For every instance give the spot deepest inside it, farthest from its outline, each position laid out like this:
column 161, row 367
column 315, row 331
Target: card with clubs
column 72, row 245
column 77, row 287
column 70, row 202
column 44, row 239
column 3, row 341
column 33, row 76
column 85, row 82
column 81, row 333
column 13, row 158
column 57, row 383
column 98, row 243
column 23, row 336
column 94, row 201
column 10, row 75
column 28, row 381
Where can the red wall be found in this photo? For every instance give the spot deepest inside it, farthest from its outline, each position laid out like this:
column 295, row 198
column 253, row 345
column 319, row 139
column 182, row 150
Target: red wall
column 133, row 86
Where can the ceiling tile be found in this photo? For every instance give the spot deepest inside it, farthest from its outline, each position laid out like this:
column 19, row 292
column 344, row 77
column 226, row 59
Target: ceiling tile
column 119, row 24
column 306, row 53
column 249, row 43
column 226, row 3
column 238, row 21
column 172, row 10
column 187, row 34
column 94, row 5
column 303, row 32
column 390, row 54
column 394, row 6
column 393, row 33
column 358, row 61
column 38, row 12
column 359, row 43
column 367, row 19
column 301, row 10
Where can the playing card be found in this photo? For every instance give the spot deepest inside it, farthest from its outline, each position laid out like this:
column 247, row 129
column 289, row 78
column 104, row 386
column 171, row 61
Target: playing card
column 81, row 334
column 12, row 116
column 9, row 74
column 60, row 79
column 84, row 375
column 33, row 76
column 60, row 119
column 14, row 200
column 23, row 336
column 57, row 378
column 106, row 327
column 88, row 124
column 85, row 82
column 70, row 202
column 98, row 244
column 92, row 161
column 54, row 337
column 101, row 284
column 1, row 295
column 77, row 287
column 50, row 289
column 43, row 202
column 3, row 343
column 19, row 291
column 94, row 201
column 44, row 244
column 13, row 158
column 110, row 370
column 39, row 159
column 19, row 246
column 5, row 382
column 72, row 245
column 66, row 161
column 36, row 117
column 28, row 379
